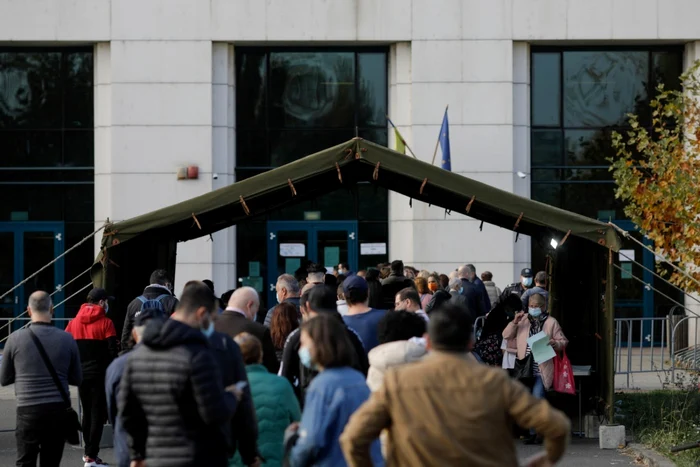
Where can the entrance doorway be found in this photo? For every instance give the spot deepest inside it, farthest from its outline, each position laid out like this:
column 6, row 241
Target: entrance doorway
column 25, row 247
column 290, row 244
column 632, row 298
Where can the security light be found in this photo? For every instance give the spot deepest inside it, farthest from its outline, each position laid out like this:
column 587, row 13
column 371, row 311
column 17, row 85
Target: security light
column 554, row 244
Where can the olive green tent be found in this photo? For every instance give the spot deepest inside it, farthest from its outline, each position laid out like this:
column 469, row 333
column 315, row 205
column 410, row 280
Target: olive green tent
column 133, row 248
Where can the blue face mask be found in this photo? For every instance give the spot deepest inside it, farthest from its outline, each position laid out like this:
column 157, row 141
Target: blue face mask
column 535, row 312
column 209, row 330
column 527, row 281
column 305, row 358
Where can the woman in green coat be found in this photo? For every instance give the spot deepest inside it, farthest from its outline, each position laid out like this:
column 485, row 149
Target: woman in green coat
column 275, row 404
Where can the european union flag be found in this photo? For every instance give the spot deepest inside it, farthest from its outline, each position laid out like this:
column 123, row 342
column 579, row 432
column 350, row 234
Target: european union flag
column 445, row 143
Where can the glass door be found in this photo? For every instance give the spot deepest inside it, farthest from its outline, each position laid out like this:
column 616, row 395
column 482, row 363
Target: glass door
column 25, row 248
column 292, row 244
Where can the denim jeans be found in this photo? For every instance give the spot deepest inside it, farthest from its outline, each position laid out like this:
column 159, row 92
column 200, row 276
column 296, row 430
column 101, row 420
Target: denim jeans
column 38, row 433
column 538, row 391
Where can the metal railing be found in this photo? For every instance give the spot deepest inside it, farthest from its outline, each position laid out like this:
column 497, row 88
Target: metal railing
column 656, row 345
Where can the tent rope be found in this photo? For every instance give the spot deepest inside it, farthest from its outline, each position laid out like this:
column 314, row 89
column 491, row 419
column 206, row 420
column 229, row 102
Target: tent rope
column 51, row 262
column 651, row 287
column 517, row 223
column 563, row 240
column 375, row 174
column 665, row 260
column 196, row 221
column 469, row 206
column 291, row 187
column 245, row 206
column 340, row 176
column 422, row 186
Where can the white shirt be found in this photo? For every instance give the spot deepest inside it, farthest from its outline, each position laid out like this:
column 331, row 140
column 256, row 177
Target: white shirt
column 508, row 357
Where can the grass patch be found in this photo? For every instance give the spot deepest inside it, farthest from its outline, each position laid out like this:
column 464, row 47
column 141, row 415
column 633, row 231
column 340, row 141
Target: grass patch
column 662, row 419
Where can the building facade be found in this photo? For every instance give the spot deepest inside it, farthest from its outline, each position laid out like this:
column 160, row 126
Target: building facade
column 103, row 101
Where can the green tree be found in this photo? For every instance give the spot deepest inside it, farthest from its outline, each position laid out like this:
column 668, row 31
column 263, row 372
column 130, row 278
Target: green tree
column 657, row 172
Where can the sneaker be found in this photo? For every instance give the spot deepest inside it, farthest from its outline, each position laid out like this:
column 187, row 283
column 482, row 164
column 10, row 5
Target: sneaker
column 93, row 462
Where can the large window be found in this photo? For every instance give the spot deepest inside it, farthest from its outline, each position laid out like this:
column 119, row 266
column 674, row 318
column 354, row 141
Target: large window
column 294, row 102
column 579, row 96
column 47, row 145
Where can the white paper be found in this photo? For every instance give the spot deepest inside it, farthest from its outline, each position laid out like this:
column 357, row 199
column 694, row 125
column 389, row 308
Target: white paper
column 541, row 350
column 292, row 249
column 626, row 255
column 367, row 249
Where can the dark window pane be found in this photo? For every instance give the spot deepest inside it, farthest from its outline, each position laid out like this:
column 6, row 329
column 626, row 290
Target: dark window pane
column 600, row 88
column 667, row 68
column 312, row 89
column 39, row 177
column 79, row 148
column 547, row 148
column 372, row 98
column 293, row 212
column 30, row 90
column 242, row 174
column 546, row 86
column 251, row 89
column 589, row 147
column 289, row 145
column 75, row 263
column 251, row 245
column 373, row 202
column 334, row 206
column 589, row 198
column 539, row 175
column 25, row 148
column 373, row 232
column 251, row 148
column 547, row 193
column 78, row 201
column 587, row 175
column 41, row 202
column 377, row 135
column 79, row 69
column 78, row 107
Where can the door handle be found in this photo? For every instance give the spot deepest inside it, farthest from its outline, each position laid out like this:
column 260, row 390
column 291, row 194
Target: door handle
column 272, row 236
column 58, row 237
column 351, row 235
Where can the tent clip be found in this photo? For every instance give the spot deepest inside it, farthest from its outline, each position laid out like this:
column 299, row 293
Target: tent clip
column 291, row 186
column 196, row 221
column 375, row 174
column 340, row 177
column 425, row 181
column 245, row 206
column 357, row 155
column 469, row 206
column 517, row 223
column 563, row 240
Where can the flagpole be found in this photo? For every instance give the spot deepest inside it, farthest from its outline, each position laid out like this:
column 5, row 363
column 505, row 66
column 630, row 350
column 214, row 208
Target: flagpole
column 402, row 140
column 437, row 144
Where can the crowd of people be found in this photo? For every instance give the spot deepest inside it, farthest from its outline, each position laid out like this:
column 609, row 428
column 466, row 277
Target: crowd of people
column 375, row 367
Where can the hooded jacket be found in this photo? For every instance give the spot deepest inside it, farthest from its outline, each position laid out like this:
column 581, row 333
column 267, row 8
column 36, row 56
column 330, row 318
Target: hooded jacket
column 172, row 400
column 151, row 292
column 389, row 355
column 96, row 339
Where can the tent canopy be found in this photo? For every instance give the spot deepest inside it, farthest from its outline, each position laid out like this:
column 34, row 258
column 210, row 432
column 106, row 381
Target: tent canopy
column 355, row 161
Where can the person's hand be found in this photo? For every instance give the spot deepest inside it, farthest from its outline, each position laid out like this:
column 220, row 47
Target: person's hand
column 539, row 460
column 519, row 317
column 256, row 463
column 290, row 431
column 553, row 343
column 141, row 463
column 236, row 391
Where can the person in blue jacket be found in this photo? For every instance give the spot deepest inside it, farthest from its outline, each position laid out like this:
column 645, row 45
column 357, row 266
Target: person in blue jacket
column 332, row 397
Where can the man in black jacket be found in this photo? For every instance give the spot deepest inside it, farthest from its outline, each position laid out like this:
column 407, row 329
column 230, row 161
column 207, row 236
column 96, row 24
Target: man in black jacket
column 239, row 317
column 157, row 295
column 317, row 299
column 393, row 284
column 172, row 401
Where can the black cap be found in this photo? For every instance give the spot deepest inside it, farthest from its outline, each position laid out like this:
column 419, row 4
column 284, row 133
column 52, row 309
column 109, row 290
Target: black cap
column 322, row 300
column 97, row 294
column 146, row 315
column 527, row 272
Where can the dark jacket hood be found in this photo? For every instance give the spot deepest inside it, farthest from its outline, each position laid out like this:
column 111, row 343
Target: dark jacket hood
column 171, row 333
column 89, row 313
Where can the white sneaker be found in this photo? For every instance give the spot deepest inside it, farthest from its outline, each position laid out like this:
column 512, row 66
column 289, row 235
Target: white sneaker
column 96, row 462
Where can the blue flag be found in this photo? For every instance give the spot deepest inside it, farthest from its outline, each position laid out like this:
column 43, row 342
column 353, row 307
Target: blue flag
column 445, row 143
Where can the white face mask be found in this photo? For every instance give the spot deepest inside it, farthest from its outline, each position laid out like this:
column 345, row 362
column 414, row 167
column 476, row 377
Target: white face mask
column 535, row 312
column 527, row 281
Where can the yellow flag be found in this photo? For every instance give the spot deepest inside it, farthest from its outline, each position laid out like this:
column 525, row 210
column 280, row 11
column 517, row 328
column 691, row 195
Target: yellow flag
column 400, row 143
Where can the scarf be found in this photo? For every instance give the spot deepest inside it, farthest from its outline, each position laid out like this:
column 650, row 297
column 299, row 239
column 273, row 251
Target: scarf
column 536, row 324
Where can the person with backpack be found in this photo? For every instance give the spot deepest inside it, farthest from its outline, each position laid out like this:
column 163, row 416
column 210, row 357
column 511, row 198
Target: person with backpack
column 158, row 296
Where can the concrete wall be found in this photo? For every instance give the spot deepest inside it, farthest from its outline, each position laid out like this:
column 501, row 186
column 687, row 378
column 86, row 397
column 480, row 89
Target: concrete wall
column 165, row 95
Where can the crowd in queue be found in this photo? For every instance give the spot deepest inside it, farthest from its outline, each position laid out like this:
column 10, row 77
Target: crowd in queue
column 375, row 367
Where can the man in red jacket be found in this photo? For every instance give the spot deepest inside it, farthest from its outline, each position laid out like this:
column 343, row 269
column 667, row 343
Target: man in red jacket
column 97, row 342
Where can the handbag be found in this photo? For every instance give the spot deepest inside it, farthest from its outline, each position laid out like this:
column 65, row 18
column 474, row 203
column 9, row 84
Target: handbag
column 71, row 428
column 563, row 375
column 523, row 368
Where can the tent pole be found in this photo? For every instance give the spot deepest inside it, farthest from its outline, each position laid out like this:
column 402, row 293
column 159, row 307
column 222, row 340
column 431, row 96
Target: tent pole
column 609, row 339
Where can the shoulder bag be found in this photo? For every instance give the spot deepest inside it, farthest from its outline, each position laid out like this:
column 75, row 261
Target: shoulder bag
column 72, row 427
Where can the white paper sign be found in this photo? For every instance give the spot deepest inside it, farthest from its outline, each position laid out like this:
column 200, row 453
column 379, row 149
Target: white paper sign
column 626, row 255
column 292, row 249
column 367, row 249
column 539, row 345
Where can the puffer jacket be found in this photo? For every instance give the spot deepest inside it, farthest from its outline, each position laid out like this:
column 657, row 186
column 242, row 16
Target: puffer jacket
column 276, row 407
column 389, row 355
column 172, row 400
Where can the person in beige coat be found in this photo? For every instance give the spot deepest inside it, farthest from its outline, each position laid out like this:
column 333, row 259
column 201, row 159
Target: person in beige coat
column 526, row 325
column 449, row 410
